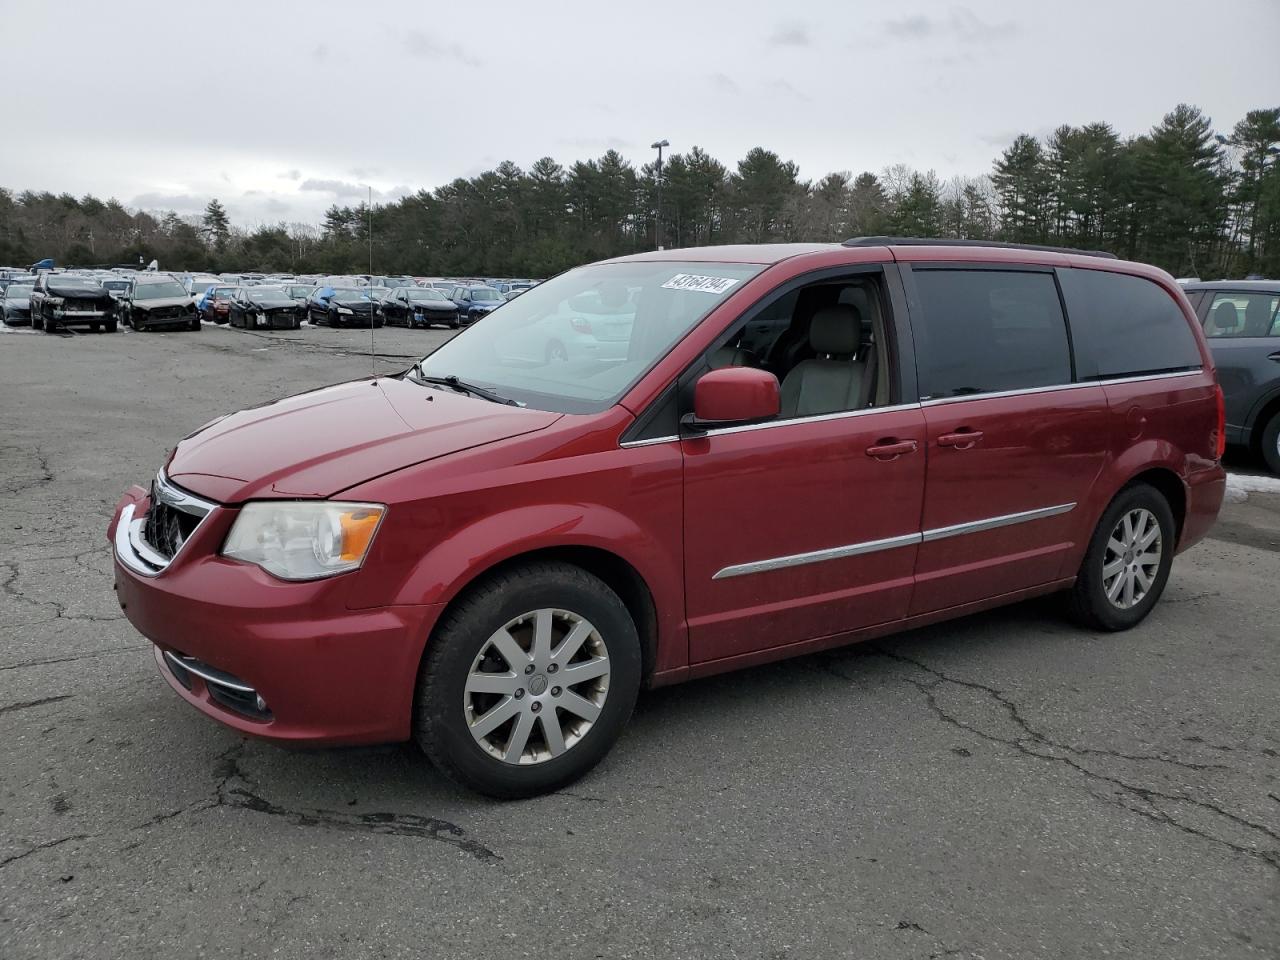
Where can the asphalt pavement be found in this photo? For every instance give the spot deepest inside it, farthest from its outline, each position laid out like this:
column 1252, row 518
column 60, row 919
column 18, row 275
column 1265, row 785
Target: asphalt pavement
column 1004, row 786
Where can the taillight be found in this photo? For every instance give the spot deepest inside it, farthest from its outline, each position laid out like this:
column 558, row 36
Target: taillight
column 1220, row 435
column 580, row 325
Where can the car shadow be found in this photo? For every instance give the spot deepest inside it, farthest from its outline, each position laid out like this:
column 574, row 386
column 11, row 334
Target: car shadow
column 668, row 723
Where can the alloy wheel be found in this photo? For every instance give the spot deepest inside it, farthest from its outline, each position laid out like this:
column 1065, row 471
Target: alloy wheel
column 537, row 686
column 1131, row 561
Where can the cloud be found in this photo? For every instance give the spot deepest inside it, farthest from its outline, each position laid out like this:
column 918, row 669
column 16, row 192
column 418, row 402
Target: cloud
column 346, row 190
column 788, row 89
column 418, row 44
column 320, row 51
column 724, row 83
column 595, row 143
column 792, row 34
column 912, row 27
column 177, row 202
column 291, row 175
column 961, row 25
column 339, row 188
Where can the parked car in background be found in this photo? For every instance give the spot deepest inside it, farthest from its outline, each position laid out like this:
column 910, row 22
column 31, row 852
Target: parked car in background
column 15, row 304
column 300, row 292
column 116, row 287
column 214, row 304
column 61, row 300
column 927, row 430
column 197, row 285
column 154, row 302
column 475, row 302
column 344, row 306
column 1242, row 323
column 264, row 306
column 419, row 307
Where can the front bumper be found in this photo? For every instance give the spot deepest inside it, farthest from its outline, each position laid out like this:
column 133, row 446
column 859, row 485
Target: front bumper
column 328, row 674
column 141, row 321
column 69, row 318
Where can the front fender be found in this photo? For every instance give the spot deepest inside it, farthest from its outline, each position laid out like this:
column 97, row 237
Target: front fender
column 445, row 570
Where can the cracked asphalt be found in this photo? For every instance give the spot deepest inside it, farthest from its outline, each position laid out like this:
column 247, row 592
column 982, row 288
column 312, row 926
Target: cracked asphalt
column 1005, row 786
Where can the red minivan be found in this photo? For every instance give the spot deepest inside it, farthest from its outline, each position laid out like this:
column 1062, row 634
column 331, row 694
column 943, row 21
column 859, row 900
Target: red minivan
column 668, row 465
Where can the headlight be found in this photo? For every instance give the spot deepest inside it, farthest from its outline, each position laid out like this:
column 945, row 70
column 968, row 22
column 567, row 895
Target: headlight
column 304, row 540
column 346, row 310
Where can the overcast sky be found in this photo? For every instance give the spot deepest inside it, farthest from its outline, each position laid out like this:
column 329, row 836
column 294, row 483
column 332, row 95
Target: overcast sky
column 280, row 109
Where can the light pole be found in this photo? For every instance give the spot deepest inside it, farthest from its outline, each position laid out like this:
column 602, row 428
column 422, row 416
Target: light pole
column 657, row 228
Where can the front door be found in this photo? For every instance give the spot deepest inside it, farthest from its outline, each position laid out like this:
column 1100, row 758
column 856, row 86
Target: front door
column 806, row 526
column 794, row 531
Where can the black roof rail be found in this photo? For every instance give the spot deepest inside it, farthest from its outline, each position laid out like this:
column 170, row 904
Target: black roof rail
column 944, row 242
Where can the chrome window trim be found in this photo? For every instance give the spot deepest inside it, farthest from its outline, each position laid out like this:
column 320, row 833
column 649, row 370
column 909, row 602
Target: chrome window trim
column 937, row 401
column 890, row 543
column 648, row 442
column 818, row 418
column 1080, row 384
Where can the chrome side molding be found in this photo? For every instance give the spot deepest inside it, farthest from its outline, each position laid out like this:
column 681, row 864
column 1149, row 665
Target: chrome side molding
column 817, row 556
column 891, row 543
column 992, row 523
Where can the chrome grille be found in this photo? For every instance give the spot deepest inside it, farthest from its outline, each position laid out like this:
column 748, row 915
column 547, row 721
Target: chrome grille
column 149, row 543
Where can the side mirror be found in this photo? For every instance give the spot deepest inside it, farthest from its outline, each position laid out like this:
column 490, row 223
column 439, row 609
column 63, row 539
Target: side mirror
column 731, row 396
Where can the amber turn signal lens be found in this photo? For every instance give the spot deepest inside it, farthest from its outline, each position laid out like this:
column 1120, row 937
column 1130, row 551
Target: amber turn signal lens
column 358, row 527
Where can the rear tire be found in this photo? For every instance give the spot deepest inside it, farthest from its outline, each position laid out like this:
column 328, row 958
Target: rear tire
column 1271, row 443
column 1126, row 567
column 50, row 325
column 555, row 748
column 111, row 326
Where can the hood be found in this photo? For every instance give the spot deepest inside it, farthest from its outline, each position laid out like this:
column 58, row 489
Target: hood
column 349, row 301
column 183, row 301
column 71, row 291
column 319, row 443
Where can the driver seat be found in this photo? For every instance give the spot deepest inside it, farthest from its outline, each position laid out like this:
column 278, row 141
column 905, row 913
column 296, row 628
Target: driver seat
column 833, row 381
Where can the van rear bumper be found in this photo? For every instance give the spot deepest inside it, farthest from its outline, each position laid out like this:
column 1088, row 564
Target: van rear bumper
column 1205, row 490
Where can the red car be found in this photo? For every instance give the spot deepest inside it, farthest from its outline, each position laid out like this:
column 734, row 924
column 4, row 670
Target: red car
column 801, row 446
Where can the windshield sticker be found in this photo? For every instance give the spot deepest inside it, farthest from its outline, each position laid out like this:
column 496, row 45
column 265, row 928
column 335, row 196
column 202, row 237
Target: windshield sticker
column 689, row 281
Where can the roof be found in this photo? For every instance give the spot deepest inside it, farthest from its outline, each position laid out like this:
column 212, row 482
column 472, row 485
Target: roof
column 1261, row 286
column 732, row 253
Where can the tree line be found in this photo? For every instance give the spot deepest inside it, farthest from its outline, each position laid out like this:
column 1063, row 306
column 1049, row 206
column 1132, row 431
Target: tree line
column 1190, row 199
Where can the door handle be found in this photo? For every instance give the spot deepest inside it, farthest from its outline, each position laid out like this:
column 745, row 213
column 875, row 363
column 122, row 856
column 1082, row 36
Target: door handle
column 891, row 449
column 1274, row 356
column 962, row 439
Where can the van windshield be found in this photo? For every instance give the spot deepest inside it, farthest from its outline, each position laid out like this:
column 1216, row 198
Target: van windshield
column 577, row 343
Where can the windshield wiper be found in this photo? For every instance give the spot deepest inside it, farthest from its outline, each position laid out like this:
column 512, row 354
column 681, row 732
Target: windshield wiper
column 461, row 385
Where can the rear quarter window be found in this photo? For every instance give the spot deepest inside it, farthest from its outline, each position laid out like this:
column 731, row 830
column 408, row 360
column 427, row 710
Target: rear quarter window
column 1125, row 326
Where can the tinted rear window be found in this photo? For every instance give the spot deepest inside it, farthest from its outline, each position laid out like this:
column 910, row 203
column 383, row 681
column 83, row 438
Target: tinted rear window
column 984, row 331
column 1125, row 326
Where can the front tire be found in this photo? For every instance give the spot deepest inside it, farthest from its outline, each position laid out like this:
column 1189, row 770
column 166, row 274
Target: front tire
column 1127, row 564
column 528, row 681
column 1271, row 443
